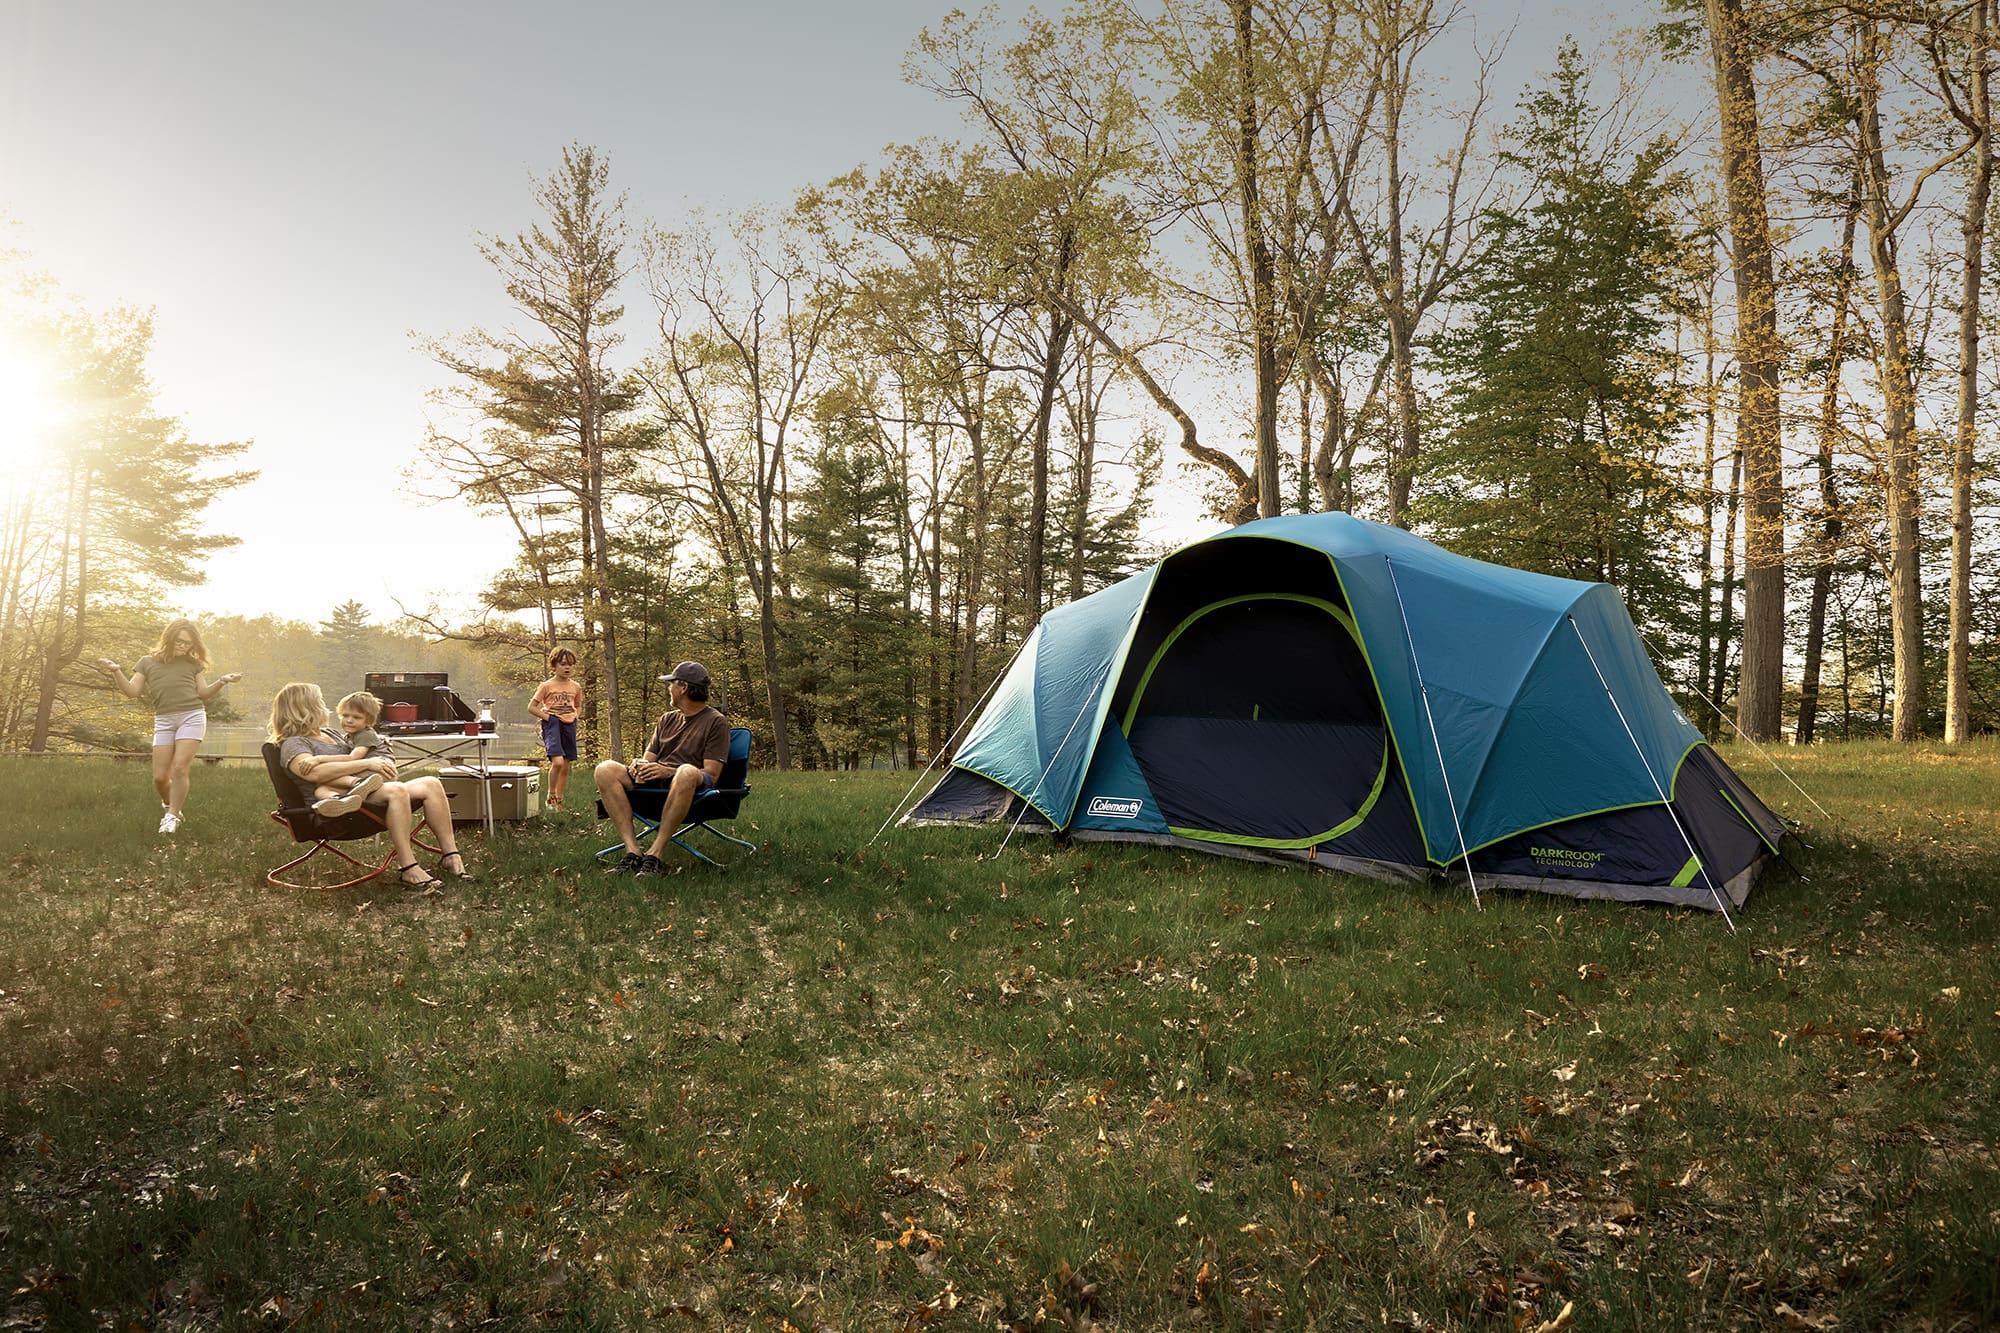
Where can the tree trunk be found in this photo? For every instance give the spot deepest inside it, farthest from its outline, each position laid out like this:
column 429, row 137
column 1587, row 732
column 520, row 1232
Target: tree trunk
column 1906, row 606
column 1726, row 615
column 767, row 628
column 1705, row 647
column 597, row 595
column 1083, row 421
column 1263, row 304
column 1958, row 653
column 1401, row 328
column 1038, row 500
column 1759, row 705
column 940, row 729
column 65, row 644
column 975, row 575
column 1829, row 500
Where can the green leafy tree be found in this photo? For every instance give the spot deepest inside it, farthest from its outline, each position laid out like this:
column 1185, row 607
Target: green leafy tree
column 111, row 521
column 1561, row 386
column 852, row 643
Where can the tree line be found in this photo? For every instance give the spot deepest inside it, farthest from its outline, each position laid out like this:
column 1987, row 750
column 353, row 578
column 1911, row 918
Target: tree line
column 1724, row 353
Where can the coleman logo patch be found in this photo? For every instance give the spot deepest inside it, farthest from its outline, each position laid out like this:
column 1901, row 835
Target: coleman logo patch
column 1115, row 807
column 1565, row 856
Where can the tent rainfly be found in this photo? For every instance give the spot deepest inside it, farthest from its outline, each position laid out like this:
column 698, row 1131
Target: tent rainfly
column 1325, row 689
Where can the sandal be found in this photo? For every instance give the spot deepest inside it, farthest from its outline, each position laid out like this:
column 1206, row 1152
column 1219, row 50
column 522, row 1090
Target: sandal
column 427, row 883
column 461, row 872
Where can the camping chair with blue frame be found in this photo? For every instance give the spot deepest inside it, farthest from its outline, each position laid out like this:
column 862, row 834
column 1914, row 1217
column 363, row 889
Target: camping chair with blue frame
column 297, row 817
column 722, row 801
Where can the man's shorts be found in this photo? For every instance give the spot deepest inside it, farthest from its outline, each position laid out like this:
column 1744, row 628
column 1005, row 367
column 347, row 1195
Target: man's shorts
column 650, row 798
column 171, row 727
column 559, row 738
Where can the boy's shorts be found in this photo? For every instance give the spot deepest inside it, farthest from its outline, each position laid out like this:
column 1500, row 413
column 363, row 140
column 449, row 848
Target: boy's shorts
column 559, row 738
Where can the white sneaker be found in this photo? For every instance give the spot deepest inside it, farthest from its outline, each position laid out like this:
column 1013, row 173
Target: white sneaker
column 352, row 801
column 169, row 822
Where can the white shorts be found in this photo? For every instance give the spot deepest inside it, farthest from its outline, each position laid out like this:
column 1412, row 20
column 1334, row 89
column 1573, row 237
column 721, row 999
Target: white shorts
column 171, row 727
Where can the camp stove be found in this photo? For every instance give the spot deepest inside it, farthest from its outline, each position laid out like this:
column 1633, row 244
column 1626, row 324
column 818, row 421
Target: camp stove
column 422, row 703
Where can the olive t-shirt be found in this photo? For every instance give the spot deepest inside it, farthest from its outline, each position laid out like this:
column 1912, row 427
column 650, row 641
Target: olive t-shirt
column 292, row 747
column 170, row 684
column 371, row 741
column 683, row 738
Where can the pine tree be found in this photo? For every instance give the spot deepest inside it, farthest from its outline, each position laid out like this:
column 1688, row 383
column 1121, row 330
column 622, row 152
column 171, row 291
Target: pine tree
column 346, row 639
column 851, row 640
column 1560, row 384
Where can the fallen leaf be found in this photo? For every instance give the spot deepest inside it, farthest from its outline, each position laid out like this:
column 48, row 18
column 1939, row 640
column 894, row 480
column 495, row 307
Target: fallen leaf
column 1560, row 1322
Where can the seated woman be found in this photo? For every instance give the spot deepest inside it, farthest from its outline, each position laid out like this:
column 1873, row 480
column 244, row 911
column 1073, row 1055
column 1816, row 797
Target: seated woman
column 313, row 755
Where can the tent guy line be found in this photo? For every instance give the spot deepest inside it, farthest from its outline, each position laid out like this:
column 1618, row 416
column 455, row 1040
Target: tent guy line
column 950, row 745
column 1762, row 753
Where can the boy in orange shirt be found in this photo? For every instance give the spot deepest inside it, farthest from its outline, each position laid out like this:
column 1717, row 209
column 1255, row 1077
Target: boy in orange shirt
column 556, row 702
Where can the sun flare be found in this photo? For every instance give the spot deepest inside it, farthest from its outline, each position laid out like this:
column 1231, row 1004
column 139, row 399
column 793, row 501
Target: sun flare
column 32, row 411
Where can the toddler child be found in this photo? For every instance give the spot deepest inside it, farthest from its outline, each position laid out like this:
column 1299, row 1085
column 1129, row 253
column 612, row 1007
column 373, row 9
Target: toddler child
column 358, row 714
column 556, row 703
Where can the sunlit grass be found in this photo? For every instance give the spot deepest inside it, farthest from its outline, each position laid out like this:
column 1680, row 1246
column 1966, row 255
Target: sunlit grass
column 913, row 1084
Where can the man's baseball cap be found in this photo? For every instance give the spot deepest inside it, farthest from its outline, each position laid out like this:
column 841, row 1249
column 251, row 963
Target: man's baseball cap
column 688, row 673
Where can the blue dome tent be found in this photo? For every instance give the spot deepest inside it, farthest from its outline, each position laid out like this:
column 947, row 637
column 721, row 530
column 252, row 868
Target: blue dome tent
column 1326, row 689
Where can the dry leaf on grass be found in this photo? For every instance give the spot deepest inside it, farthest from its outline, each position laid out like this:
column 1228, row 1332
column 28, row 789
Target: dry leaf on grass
column 1562, row 1320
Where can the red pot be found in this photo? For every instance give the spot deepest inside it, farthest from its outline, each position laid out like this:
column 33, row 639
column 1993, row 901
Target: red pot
column 399, row 712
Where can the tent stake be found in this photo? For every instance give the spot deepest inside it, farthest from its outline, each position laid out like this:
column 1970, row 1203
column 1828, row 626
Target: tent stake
column 1647, row 764
column 1464, row 856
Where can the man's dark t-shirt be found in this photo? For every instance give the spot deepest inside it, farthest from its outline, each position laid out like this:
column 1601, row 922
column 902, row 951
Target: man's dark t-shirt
column 682, row 738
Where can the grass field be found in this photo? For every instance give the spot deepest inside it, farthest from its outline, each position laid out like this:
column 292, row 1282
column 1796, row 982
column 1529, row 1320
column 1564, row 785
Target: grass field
column 919, row 1085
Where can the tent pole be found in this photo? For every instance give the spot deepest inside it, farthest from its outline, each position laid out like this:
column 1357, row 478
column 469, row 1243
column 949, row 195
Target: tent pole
column 1762, row 753
column 1028, row 801
column 1700, row 864
column 1464, row 856
column 950, row 746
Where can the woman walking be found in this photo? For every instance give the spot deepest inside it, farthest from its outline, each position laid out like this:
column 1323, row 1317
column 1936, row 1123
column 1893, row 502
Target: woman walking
column 172, row 681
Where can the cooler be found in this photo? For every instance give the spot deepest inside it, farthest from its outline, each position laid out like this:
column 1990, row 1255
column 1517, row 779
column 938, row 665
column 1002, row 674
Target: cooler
column 515, row 790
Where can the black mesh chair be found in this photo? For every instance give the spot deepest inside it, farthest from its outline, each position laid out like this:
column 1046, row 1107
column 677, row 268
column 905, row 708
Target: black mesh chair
column 307, row 827
column 722, row 801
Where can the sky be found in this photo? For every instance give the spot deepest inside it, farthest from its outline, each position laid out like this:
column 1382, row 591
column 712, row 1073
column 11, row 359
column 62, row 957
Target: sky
column 297, row 192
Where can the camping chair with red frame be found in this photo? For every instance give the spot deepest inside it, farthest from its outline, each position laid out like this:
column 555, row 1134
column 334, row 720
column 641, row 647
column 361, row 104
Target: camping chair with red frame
column 306, row 826
column 721, row 801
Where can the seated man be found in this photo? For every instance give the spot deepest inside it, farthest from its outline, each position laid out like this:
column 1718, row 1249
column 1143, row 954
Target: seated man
column 685, row 756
